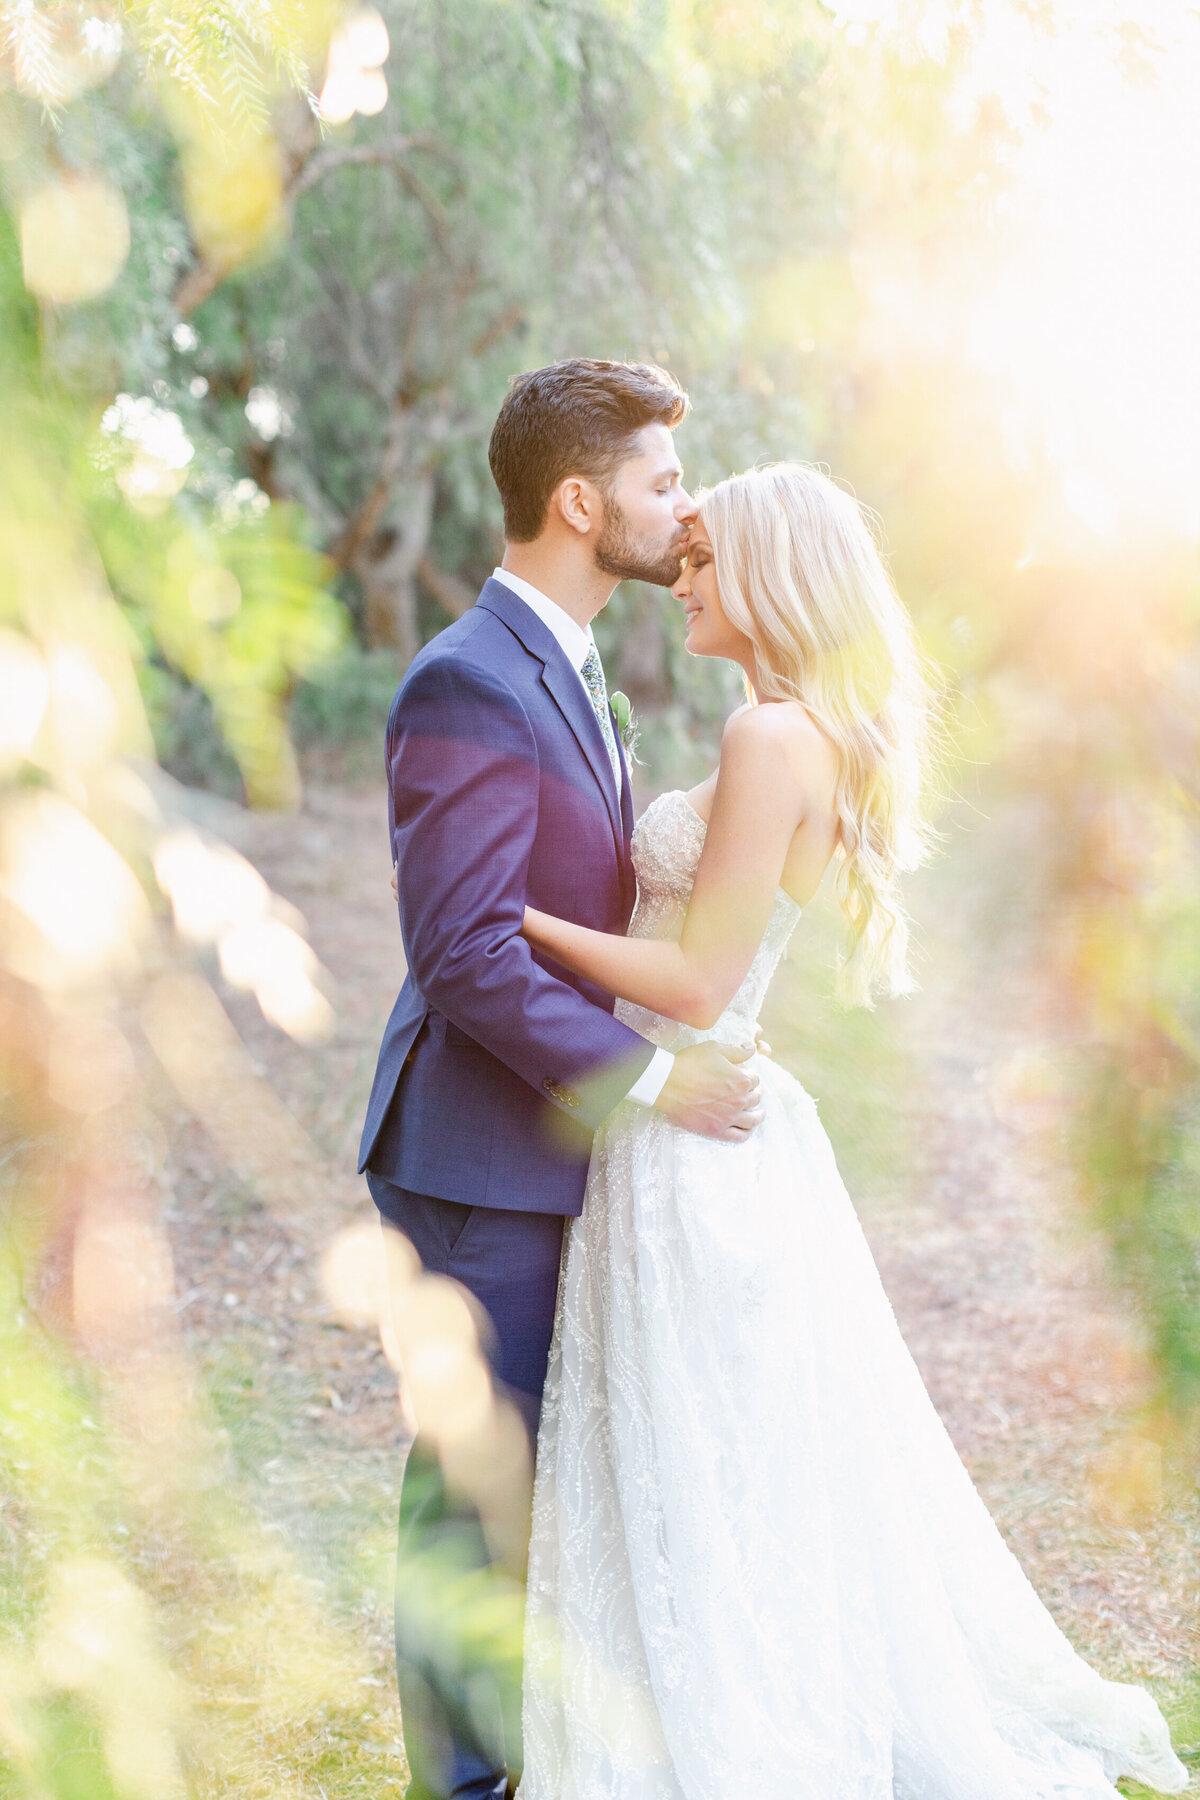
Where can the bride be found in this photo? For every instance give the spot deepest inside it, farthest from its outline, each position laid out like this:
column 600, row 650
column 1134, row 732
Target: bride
column 758, row 1569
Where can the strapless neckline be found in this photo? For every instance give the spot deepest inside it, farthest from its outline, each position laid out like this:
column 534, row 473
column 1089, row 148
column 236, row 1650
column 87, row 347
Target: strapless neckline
column 702, row 822
column 667, row 844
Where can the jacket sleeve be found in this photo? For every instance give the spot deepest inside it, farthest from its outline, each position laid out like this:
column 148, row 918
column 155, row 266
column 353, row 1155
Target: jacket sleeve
column 464, row 774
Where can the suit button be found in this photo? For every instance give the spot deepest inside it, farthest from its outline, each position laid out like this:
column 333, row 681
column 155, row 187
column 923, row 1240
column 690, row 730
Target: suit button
column 563, row 1095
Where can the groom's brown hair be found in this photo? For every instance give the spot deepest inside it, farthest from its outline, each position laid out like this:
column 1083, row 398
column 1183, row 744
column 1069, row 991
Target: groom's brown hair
column 575, row 417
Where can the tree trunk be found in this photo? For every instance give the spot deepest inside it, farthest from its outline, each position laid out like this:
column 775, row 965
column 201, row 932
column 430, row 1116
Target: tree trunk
column 387, row 567
column 642, row 667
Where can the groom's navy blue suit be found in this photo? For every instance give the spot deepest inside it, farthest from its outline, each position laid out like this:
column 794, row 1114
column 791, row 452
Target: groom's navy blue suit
column 500, row 795
column 496, row 1065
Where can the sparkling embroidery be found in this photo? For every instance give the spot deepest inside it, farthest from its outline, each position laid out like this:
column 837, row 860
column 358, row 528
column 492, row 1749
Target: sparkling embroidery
column 759, row 1570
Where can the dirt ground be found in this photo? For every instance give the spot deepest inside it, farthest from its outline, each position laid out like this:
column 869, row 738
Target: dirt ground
column 946, row 1114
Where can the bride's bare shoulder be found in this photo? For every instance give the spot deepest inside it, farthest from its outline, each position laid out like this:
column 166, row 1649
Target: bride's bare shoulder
column 778, row 748
column 779, row 726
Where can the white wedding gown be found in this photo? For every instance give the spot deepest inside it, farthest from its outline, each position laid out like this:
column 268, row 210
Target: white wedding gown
column 759, row 1570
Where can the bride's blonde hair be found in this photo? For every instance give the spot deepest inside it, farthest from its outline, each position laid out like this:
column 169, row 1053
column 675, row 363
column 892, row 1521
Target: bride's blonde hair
column 798, row 573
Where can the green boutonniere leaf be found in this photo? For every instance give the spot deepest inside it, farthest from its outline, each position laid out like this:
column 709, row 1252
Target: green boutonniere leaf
column 623, row 714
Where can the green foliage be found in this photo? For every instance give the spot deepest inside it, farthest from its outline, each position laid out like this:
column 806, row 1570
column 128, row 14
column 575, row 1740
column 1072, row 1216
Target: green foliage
column 1140, row 1146
column 346, row 700
column 545, row 197
column 142, row 1601
column 243, row 476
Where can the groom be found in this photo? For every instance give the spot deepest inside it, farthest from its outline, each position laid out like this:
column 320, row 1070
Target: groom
column 507, row 785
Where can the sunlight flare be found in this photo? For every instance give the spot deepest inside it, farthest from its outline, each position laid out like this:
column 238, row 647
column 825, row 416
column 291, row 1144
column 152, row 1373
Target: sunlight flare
column 74, row 238
column 80, row 898
column 1090, row 322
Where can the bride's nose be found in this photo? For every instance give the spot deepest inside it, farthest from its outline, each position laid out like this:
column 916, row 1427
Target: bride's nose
column 683, row 586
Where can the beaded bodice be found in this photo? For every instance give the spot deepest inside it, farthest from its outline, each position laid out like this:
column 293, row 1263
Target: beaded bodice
column 667, row 842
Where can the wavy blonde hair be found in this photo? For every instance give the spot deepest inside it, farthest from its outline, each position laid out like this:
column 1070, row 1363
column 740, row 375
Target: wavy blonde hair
column 799, row 573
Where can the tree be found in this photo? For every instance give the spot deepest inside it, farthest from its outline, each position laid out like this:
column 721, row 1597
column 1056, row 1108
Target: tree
column 546, row 179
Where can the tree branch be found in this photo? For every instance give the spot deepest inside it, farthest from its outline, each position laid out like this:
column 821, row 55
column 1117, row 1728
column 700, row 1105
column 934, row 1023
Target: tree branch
column 408, row 396
column 451, row 593
column 326, row 161
column 205, row 276
column 304, row 167
column 500, row 327
column 202, row 279
column 394, row 154
column 364, row 522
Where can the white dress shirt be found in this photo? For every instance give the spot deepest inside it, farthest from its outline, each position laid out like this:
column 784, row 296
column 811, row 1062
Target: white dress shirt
column 576, row 640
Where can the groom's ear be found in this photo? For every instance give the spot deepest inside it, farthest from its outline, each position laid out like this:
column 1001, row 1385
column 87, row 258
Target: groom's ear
column 578, row 503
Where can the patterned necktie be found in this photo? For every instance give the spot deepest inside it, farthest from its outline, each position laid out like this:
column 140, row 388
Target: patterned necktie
column 593, row 680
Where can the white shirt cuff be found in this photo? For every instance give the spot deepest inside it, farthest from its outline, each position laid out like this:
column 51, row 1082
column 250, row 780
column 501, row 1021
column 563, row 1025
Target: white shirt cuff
column 653, row 1079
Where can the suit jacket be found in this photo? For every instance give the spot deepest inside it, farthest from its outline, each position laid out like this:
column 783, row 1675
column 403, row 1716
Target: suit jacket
column 496, row 1064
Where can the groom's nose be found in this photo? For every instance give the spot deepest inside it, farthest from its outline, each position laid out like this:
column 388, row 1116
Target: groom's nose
column 686, row 510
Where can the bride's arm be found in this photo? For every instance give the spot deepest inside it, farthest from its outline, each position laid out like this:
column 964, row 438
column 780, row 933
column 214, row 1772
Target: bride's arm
column 772, row 763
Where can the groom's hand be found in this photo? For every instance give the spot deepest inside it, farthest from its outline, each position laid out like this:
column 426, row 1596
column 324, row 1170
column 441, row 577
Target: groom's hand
column 709, row 1093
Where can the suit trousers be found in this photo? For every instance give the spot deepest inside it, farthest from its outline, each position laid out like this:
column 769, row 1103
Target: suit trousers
column 460, row 1697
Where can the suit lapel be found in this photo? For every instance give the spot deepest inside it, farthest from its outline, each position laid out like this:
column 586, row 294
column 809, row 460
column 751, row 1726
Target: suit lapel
column 627, row 874
column 626, row 783
column 565, row 688
column 567, row 691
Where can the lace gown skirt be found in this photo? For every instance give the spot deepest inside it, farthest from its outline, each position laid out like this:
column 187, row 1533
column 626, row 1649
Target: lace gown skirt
column 759, row 1570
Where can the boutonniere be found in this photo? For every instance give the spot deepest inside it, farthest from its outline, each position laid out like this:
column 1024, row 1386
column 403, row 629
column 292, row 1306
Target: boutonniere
column 623, row 714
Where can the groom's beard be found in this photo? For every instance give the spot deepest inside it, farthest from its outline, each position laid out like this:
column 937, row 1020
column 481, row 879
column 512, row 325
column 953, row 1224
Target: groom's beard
column 629, row 558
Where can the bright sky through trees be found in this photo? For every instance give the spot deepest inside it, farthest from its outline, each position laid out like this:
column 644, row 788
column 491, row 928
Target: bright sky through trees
column 1089, row 316
column 249, row 362
column 1095, row 315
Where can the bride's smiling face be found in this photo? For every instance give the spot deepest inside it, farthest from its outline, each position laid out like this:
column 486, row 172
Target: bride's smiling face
column 709, row 632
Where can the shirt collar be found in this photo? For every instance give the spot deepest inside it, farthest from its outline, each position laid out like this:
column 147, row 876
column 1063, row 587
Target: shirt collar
column 574, row 640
